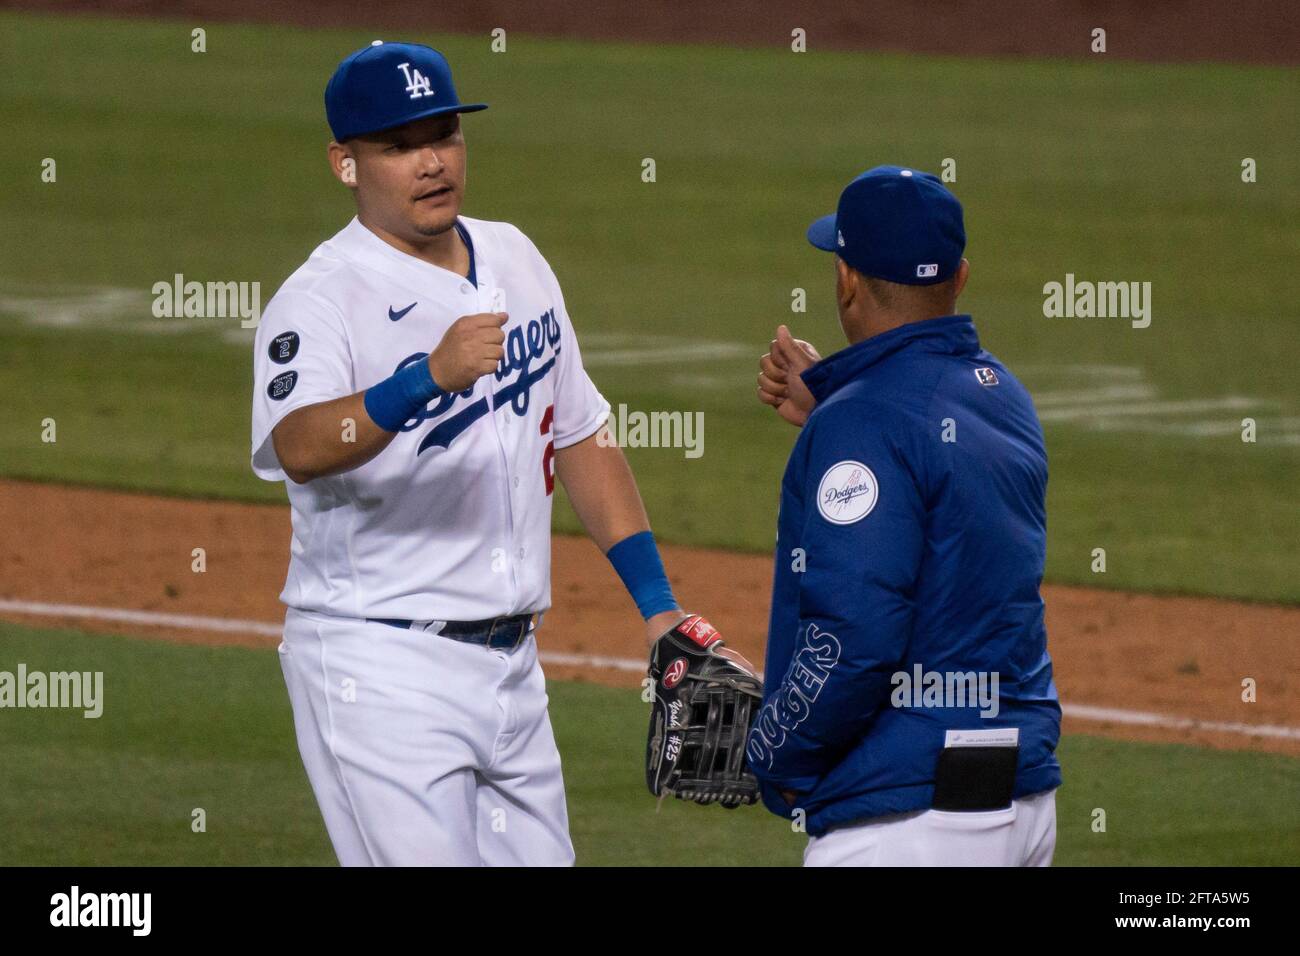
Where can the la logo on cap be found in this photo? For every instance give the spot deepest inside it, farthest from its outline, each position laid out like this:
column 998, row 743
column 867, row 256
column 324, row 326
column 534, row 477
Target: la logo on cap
column 417, row 84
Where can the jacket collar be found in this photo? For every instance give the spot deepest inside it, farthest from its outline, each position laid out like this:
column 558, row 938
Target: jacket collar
column 946, row 335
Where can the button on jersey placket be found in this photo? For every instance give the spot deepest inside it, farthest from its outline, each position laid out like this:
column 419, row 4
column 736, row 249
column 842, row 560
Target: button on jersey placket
column 486, row 282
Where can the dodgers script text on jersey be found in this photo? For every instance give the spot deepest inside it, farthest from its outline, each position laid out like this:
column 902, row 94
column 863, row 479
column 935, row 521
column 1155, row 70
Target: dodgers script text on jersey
column 474, row 469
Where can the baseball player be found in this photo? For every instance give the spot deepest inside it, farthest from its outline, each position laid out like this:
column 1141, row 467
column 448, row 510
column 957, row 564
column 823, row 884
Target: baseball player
column 419, row 384
column 910, row 716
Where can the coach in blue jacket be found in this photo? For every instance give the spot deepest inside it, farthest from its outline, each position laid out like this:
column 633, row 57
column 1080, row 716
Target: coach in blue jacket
column 910, row 716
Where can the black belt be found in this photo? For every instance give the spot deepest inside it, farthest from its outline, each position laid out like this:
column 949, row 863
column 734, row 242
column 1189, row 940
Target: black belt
column 499, row 632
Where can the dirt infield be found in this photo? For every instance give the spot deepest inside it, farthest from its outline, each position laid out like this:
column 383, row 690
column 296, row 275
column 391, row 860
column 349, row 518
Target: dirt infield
column 1184, row 657
column 1264, row 31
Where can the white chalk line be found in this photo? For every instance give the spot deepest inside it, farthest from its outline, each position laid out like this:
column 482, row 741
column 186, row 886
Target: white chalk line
column 692, row 350
column 1113, row 715
column 191, row 622
column 1085, row 712
column 1105, row 398
column 1086, row 398
column 1108, row 410
column 1118, row 399
column 131, row 309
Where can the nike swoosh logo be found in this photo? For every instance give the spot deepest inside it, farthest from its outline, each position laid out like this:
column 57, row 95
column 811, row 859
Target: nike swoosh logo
column 394, row 316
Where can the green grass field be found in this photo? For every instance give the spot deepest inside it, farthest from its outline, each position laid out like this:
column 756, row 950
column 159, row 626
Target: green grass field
column 212, row 165
column 189, row 727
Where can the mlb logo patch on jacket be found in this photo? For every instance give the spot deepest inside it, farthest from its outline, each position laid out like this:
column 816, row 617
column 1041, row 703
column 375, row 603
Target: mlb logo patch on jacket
column 986, row 376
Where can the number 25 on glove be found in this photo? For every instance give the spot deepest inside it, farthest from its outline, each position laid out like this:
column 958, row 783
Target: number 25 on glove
column 704, row 703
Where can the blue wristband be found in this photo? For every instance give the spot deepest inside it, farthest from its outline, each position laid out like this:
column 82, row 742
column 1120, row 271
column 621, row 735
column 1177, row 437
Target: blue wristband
column 395, row 400
column 637, row 561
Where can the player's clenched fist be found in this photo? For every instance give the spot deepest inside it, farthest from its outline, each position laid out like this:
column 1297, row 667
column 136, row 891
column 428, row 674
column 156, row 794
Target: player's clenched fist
column 471, row 347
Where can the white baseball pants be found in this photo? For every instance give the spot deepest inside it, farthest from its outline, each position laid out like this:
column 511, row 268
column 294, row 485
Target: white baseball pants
column 1024, row 834
column 422, row 750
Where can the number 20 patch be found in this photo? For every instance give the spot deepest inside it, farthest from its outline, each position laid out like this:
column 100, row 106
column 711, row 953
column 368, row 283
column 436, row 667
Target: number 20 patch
column 279, row 387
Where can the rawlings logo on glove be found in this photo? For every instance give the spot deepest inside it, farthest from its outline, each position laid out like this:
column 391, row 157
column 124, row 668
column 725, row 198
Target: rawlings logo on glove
column 706, row 698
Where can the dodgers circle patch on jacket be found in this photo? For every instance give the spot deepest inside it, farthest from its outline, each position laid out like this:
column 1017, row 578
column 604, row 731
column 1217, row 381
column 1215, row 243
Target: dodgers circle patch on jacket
column 847, row 493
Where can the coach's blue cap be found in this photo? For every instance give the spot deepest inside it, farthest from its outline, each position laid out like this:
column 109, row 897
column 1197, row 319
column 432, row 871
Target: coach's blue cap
column 386, row 85
column 895, row 223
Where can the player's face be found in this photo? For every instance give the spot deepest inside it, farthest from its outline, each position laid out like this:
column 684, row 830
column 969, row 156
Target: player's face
column 411, row 180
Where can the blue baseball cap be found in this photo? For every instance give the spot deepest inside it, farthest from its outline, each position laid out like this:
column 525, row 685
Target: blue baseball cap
column 386, row 85
column 895, row 223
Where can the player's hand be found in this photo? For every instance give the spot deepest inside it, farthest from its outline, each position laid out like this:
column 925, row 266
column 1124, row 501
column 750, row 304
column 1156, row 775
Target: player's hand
column 779, row 384
column 657, row 626
column 471, row 348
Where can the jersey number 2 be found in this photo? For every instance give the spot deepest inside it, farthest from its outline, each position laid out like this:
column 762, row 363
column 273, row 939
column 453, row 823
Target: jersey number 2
column 548, row 456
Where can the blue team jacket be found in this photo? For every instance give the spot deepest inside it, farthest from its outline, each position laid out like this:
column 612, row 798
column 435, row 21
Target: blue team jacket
column 900, row 552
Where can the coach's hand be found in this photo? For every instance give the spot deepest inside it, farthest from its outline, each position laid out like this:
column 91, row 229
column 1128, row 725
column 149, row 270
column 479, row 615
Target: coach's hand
column 779, row 384
column 471, row 348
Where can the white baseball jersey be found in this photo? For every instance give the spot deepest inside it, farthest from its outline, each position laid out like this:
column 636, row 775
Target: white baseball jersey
column 452, row 520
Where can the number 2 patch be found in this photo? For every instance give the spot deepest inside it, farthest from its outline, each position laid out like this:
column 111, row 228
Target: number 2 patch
column 847, row 493
column 283, row 348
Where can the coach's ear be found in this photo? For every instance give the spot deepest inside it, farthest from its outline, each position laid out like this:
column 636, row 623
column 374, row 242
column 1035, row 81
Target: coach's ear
column 847, row 284
column 962, row 274
column 343, row 163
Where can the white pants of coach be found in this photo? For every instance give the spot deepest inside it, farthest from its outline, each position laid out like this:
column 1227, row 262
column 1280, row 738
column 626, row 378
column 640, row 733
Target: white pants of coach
column 1024, row 834
column 422, row 750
